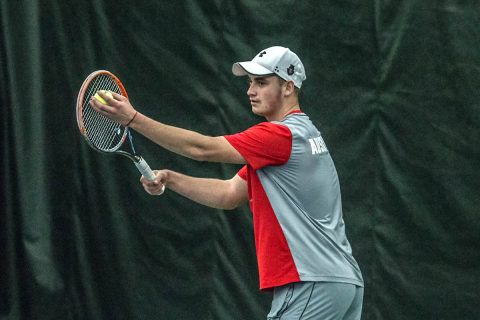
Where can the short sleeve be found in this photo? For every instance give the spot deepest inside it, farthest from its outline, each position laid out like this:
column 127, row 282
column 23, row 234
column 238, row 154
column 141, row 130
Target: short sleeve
column 265, row 144
column 242, row 173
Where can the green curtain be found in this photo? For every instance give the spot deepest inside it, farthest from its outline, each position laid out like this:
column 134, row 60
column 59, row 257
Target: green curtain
column 392, row 85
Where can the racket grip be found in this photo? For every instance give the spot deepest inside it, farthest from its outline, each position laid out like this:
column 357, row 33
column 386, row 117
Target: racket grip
column 144, row 169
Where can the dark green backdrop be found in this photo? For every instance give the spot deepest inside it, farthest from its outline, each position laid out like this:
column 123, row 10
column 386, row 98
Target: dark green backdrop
column 393, row 86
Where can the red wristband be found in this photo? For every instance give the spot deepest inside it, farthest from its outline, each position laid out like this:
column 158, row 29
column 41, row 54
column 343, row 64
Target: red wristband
column 136, row 112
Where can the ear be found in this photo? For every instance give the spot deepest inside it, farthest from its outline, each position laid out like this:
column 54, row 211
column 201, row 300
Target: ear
column 289, row 88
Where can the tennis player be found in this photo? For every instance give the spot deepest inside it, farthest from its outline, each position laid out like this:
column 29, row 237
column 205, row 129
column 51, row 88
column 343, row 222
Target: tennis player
column 289, row 180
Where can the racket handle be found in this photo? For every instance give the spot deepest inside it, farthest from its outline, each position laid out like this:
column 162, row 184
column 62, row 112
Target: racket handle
column 144, row 169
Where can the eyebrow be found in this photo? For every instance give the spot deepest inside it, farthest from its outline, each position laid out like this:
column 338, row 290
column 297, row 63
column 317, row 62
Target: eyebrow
column 263, row 77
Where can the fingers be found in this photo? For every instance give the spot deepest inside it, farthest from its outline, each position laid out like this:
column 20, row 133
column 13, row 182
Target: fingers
column 117, row 96
column 107, row 96
column 114, row 106
column 101, row 107
column 157, row 185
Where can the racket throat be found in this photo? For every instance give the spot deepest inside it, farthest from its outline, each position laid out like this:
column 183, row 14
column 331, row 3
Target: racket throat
column 135, row 158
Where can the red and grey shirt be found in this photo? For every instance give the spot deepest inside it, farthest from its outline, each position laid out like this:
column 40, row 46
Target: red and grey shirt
column 295, row 199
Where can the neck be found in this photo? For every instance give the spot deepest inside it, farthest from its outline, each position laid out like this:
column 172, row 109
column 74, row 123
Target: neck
column 284, row 111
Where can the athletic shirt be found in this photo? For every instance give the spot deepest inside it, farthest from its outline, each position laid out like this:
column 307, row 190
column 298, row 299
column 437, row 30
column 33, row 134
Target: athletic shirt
column 295, row 199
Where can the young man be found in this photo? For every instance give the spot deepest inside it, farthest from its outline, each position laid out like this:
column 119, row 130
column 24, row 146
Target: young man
column 289, row 180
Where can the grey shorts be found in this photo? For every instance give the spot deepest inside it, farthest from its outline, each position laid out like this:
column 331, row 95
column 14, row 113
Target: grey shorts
column 317, row 300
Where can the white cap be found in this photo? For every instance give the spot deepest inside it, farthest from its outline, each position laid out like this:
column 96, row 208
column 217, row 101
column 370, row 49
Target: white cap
column 278, row 60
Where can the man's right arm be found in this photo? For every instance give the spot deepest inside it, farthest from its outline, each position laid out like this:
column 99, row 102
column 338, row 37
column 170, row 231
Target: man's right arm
column 187, row 143
column 181, row 141
column 215, row 193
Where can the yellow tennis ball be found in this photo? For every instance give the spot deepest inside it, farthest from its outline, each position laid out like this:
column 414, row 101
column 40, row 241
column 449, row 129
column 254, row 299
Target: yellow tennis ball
column 100, row 99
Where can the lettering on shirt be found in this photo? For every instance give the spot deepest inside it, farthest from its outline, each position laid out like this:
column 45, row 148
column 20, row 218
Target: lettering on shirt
column 317, row 145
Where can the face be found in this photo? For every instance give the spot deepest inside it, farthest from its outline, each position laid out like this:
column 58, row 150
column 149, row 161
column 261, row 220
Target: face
column 266, row 95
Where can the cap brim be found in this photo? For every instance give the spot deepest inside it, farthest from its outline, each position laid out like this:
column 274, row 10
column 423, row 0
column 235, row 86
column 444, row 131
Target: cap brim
column 249, row 67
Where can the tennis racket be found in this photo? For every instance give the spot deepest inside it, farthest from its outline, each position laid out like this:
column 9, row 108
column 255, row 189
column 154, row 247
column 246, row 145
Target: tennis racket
column 101, row 133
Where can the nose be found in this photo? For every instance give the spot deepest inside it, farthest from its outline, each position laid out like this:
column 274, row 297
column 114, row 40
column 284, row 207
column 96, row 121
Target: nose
column 250, row 91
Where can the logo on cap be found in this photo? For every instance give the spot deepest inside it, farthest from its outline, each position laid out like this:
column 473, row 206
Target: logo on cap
column 291, row 70
column 262, row 53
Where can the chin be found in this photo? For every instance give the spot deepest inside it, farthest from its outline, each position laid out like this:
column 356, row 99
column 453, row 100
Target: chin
column 257, row 111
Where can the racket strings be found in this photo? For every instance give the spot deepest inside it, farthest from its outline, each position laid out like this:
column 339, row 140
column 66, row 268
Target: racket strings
column 102, row 132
